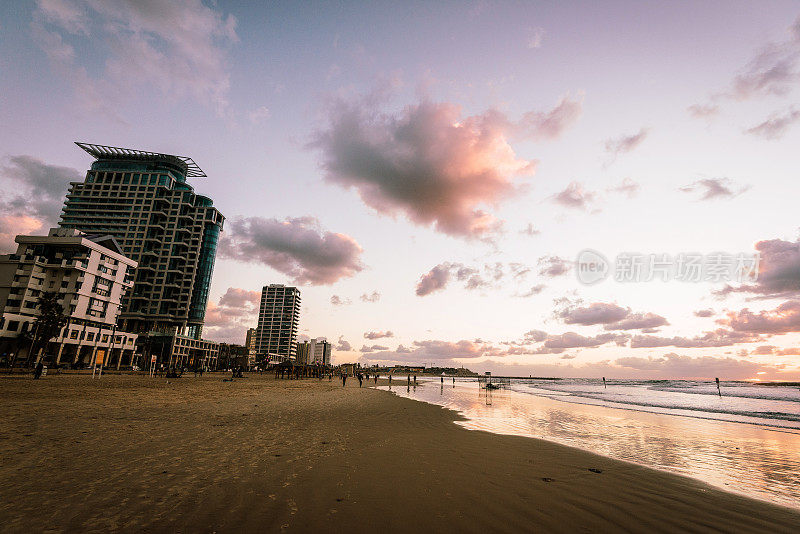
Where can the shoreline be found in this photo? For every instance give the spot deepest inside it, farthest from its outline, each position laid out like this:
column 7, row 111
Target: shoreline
column 132, row 453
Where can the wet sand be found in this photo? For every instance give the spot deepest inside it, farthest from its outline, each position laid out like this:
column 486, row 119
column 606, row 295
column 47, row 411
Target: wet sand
column 132, row 453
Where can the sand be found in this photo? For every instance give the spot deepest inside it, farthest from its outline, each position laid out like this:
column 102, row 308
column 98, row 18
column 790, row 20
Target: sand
column 130, row 453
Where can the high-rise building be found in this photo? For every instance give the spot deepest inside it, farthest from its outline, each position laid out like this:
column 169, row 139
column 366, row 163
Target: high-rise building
column 90, row 275
column 278, row 320
column 250, row 343
column 143, row 200
column 319, row 351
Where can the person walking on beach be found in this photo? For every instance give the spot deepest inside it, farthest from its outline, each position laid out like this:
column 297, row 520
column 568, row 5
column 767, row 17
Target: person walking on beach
column 360, row 379
column 376, row 378
column 37, row 373
column 344, row 378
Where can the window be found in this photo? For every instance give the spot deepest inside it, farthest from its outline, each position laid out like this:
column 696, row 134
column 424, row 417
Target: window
column 89, row 336
column 29, row 304
column 105, row 338
column 64, row 284
column 73, row 334
column 13, row 325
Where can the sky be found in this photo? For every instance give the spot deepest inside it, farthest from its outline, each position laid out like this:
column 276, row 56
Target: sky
column 428, row 174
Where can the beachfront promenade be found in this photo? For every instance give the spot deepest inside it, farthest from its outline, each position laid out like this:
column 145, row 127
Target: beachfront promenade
column 133, row 453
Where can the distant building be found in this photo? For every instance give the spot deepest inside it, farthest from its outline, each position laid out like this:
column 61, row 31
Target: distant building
column 303, row 353
column 250, row 343
column 278, row 320
column 143, row 200
column 319, row 351
column 91, row 276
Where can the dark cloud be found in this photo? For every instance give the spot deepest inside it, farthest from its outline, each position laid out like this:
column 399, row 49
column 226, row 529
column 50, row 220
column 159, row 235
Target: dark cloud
column 378, row 335
column 714, row 188
column 776, row 125
column 443, row 352
column 373, row 348
column 626, row 143
column 429, row 162
column 336, row 300
column 704, row 313
column 235, row 297
column 553, row 266
column 574, row 196
column 32, row 194
column 371, row 297
column 343, row 345
column 778, row 271
column 297, row 247
column 434, row 280
column 638, row 321
column 596, row 313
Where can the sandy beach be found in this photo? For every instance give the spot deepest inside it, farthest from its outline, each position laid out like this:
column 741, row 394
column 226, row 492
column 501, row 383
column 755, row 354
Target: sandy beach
column 130, row 453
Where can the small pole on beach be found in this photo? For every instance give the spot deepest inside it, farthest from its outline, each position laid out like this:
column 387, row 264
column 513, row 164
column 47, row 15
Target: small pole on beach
column 718, row 390
column 604, row 382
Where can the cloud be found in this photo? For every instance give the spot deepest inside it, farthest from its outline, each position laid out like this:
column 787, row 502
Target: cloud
column 31, row 196
column 778, row 271
column 717, row 338
column 297, row 247
column 626, row 143
column 530, row 231
column 373, row 348
column 783, row 319
column 704, row 313
column 571, row 340
column 370, row 297
column 703, row 111
column 534, row 290
column 772, row 71
column 431, row 164
column 443, row 352
column 705, row 367
column 553, row 266
column 714, row 188
column 228, row 320
column 473, row 277
column 776, row 125
column 627, row 187
column 596, row 313
column 536, row 38
column 343, row 345
column 574, row 196
column 378, row 334
column 336, row 300
column 178, row 48
column 434, row 280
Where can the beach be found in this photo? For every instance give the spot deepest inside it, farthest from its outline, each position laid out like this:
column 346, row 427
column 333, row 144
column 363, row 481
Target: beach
column 132, row 453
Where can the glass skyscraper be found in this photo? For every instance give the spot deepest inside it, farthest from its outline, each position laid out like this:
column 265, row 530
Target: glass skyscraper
column 144, row 201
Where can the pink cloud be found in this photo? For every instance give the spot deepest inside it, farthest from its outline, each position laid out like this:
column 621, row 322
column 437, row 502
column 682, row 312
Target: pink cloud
column 431, row 164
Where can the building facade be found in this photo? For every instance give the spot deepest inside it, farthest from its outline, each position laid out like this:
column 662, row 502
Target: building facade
column 278, row 320
column 319, row 351
column 143, row 200
column 90, row 275
column 250, row 343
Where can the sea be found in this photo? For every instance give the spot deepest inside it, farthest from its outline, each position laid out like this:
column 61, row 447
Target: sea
column 743, row 437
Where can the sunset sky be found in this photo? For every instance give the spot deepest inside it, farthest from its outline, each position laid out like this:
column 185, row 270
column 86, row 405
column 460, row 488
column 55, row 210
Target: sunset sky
column 427, row 173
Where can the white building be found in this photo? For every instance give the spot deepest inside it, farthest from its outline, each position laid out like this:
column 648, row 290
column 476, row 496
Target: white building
column 91, row 277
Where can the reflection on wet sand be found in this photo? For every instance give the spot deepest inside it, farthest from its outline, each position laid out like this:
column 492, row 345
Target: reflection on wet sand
column 757, row 461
